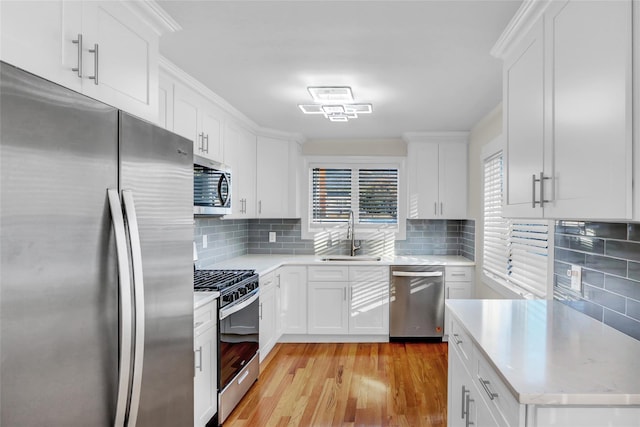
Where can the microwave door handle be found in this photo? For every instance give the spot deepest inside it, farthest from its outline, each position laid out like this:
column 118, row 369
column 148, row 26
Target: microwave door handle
column 126, row 311
column 221, row 181
column 138, row 286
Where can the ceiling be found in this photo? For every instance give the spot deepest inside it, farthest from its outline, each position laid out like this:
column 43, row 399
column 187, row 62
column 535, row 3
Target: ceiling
column 424, row 65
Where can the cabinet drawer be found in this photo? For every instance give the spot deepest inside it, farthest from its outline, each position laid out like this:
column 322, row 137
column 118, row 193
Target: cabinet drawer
column 267, row 281
column 327, row 273
column 501, row 402
column 458, row 274
column 368, row 274
column 205, row 317
column 462, row 343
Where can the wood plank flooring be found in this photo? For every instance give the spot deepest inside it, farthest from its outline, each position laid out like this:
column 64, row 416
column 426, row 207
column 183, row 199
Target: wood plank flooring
column 377, row 384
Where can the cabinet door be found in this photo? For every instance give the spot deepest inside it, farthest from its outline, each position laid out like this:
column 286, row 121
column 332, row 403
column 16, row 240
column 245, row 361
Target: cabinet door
column 267, row 320
column 165, row 102
column 590, row 131
column 38, row 37
column 452, row 180
column 185, row 116
column 272, row 166
column 211, row 130
column 457, row 389
column 205, row 381
column 423, row 181
column 293, row 297
column 523, row 104
column 125, row 67
column 240, row 156
column 369, row 308
column 328, row 308
column 456, row 290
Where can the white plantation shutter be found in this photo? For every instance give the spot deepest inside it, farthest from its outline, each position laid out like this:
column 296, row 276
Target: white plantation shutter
column 331, row 194
column 372, row 194
column 378, row 196
column 496, row 228
column 515, row 251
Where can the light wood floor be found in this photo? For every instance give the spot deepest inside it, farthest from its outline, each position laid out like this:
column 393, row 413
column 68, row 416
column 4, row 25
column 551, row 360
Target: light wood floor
column 387, row 384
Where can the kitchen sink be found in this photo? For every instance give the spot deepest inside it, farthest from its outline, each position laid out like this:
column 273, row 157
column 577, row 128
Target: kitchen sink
column 351, row 258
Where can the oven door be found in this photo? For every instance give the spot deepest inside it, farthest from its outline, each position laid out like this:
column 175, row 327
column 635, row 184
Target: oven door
column 239, row 326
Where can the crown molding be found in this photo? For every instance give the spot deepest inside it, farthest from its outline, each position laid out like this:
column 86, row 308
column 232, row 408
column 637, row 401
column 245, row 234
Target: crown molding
column 439, row 137
column 526, row 16
column 154, row 16
column 188, row 80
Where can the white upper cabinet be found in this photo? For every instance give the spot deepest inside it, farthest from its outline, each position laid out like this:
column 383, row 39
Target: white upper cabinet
column 240, row 155
column 199, row 120
column 437, row 178
column 39, row 37
column 568, row 110
column 107, row 50
column 165, row 102
column 276, row 168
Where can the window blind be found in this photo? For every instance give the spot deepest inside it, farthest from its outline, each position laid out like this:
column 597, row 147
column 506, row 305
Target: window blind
column 378, row 196
column 515, row 251
column 331, row 194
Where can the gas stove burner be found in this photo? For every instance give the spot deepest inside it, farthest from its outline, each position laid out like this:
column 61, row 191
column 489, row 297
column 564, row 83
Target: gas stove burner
column 233, row 285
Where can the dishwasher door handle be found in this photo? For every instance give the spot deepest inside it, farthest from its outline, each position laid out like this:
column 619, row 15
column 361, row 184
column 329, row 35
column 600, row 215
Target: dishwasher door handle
column 417, row 273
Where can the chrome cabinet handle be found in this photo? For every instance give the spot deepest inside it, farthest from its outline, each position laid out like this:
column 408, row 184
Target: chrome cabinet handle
column 201, row 144
column 456, row 339
column 441, row 208
column 485, row 386
column 533, row 190
column 199, row 365
column 278, row 276
column 95, row 63
column 139, row 302
column 435, row 208
column 205, row 147
column 464, row 393
column 126, row 310
column 448, row 289
column 78, row 69
column 260, row 207
column 542, row 179
column 260, row 307
column 468, row 421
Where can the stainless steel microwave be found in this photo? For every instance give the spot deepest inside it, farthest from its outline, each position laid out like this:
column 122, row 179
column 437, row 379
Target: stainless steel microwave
column 211, row 187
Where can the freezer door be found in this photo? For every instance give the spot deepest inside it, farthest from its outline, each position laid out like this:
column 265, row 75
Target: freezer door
column 58, row 273
column 157, row 169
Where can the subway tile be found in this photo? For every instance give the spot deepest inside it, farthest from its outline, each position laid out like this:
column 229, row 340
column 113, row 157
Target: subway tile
column 633, row 309
column 633, row 231
column 608, row 230
column 633, row 270
column 569, row 256
column 622, row 323
column 623, row 249
column 626, row 287
column 604, row 298
column 580, row 243
column 592, row 310
column 606, row 264
column 593, row 278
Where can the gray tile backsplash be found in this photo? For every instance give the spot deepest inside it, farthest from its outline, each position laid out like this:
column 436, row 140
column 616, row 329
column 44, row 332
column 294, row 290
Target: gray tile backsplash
column 608, row 253
column 230, row 238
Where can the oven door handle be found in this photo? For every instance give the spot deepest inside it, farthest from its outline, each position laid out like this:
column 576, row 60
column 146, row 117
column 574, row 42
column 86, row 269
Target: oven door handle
column 228, row 311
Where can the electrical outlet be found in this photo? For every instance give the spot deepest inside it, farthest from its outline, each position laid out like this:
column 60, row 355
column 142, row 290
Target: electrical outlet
column 576, row 277
column 272, row 236
column 204, row 241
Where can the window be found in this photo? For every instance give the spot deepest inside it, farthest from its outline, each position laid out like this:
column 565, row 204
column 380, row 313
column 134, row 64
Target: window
column 372, row 194
column 515, row 251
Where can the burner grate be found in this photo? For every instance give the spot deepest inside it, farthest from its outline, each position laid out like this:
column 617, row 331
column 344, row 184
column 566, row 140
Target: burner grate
column 218, row 280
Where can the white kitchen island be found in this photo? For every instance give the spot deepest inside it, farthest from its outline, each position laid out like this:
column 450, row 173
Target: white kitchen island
column 539, row 363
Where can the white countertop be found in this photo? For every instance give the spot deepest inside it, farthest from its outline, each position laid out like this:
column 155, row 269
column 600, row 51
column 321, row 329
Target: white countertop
column 548, row 353
column 202, row 298
column 266, row 263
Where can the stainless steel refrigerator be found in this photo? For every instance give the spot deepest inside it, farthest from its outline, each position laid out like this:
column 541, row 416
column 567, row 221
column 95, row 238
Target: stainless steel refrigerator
column 96, row 231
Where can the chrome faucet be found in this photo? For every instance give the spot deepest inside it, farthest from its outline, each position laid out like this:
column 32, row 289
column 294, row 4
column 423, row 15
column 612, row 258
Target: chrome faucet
column 351, row 233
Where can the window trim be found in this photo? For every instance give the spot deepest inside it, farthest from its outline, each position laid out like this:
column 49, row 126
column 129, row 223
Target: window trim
column 364, row 231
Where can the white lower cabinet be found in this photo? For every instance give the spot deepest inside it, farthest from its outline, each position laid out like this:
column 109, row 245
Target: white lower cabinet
column 458, row 284
column 293, row 299
column 268, row 314
column 205, row 382
column 350, row 300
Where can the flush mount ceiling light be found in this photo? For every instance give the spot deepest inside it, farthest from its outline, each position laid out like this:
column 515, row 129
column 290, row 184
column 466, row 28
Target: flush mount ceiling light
column 335, row 103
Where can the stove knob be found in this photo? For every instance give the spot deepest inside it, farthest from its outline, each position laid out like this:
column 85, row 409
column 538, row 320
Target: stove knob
column 243, row 291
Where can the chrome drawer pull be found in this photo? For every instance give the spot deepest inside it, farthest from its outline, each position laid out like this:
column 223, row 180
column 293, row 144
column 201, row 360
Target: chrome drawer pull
column 485, row 386
column 456, row 339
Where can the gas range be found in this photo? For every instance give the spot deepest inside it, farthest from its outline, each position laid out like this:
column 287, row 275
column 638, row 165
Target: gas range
column 233, row 285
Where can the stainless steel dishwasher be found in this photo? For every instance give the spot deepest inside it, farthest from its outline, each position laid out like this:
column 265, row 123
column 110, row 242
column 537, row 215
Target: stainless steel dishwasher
column 416, row 307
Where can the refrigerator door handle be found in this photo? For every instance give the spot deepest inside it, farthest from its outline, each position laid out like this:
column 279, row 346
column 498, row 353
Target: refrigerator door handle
column 126, row 320
column 138, row 286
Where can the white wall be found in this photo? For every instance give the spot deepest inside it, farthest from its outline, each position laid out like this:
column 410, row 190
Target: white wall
column 355, row 147
column 485, row 131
